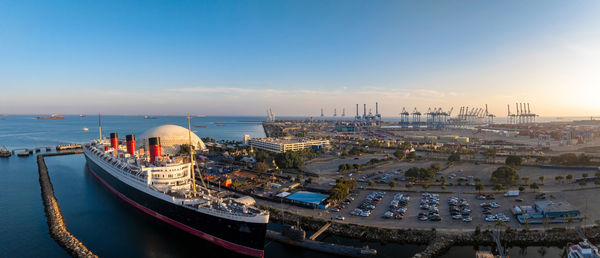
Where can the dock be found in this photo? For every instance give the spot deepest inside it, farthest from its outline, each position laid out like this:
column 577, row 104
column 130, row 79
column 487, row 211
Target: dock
column 496, row 236
column 340, row 250
column 320, row 231
column 68, row 147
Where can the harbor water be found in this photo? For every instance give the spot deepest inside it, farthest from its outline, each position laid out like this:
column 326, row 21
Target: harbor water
column 110, row 227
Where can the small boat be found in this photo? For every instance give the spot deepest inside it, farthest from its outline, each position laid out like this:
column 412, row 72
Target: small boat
column 4, row 152
column 200, row 126
column 149, row 117
column 82, row 115
column 23, row 154
column 85, row 129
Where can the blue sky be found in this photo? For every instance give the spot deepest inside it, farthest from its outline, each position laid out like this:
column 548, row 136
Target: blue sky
column 240, row 57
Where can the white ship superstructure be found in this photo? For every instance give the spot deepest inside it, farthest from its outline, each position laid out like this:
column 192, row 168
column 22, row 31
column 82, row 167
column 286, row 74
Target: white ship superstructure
column 164, row 187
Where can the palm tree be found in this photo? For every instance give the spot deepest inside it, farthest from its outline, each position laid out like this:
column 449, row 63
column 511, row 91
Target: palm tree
column 558, row 178
column 479, row 187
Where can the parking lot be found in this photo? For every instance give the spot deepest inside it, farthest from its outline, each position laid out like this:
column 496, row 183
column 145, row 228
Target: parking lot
column 413, row 208
column 583, row 200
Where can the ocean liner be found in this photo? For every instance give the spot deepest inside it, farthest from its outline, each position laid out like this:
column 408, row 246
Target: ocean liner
column 164, row 187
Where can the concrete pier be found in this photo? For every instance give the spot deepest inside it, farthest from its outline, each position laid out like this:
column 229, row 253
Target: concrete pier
column 320, row 231
column 57, row 226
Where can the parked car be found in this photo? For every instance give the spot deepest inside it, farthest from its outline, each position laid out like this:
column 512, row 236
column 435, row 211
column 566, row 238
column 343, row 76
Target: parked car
column 339, row 218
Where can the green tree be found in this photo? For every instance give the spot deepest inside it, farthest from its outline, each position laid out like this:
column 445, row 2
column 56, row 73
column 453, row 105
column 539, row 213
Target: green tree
column 525, row 179
column 534, row 186
column 411, row 155
column 558, row 178
column 341, row 189
column 505, row 175
column 435, row 167
column 569, row 177
column 584, row 175
column 392, row 184
column 513, row 160
column 542, row 179
column 420, row 173
column 399, row 154
column 372, row 183
column 498, row 187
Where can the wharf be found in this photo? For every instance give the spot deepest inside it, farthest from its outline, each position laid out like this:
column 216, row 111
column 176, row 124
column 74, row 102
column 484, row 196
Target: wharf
column 330, row 248
column 68, row 147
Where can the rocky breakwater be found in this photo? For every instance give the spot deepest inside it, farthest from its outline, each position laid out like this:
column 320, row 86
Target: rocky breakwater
column 440, row 244
column 58, row 228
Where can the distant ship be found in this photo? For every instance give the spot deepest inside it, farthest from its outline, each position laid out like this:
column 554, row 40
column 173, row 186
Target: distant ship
column 53, row 116
column 149, row 117
column 584, row 249
column 85, row 129
column 82, row 115
column 164, row 187
column 4, row 152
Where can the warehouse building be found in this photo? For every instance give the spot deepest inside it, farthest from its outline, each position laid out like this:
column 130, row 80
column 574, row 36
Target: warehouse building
column 556, row 209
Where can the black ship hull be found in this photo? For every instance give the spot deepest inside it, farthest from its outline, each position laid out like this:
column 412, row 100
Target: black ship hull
column 239, row 236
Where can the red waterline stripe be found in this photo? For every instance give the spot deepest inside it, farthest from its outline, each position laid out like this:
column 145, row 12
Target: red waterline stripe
column 224, row 243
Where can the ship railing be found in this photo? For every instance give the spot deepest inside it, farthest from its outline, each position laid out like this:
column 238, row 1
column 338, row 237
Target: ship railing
column 231, row 212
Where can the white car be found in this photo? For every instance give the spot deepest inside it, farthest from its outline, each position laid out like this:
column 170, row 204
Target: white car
column 467, row 219
column 339, row 218
column 388, row 214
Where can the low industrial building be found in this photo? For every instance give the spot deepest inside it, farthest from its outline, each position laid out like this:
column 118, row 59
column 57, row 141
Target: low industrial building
column 280, row 145
column 555, row 209
column 547, row 211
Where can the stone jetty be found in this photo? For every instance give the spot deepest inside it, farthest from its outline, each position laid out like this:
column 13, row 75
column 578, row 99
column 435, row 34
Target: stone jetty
column 58, row 228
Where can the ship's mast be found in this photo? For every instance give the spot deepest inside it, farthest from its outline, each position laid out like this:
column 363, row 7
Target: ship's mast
column 193, row 173
column 100, row 126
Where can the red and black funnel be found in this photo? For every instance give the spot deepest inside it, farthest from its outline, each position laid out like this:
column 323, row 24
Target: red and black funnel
column 130, row 144
column 155, row 149
column 114, row 140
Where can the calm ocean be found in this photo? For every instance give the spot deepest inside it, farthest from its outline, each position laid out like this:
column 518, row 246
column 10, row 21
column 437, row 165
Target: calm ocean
column 104, row 223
